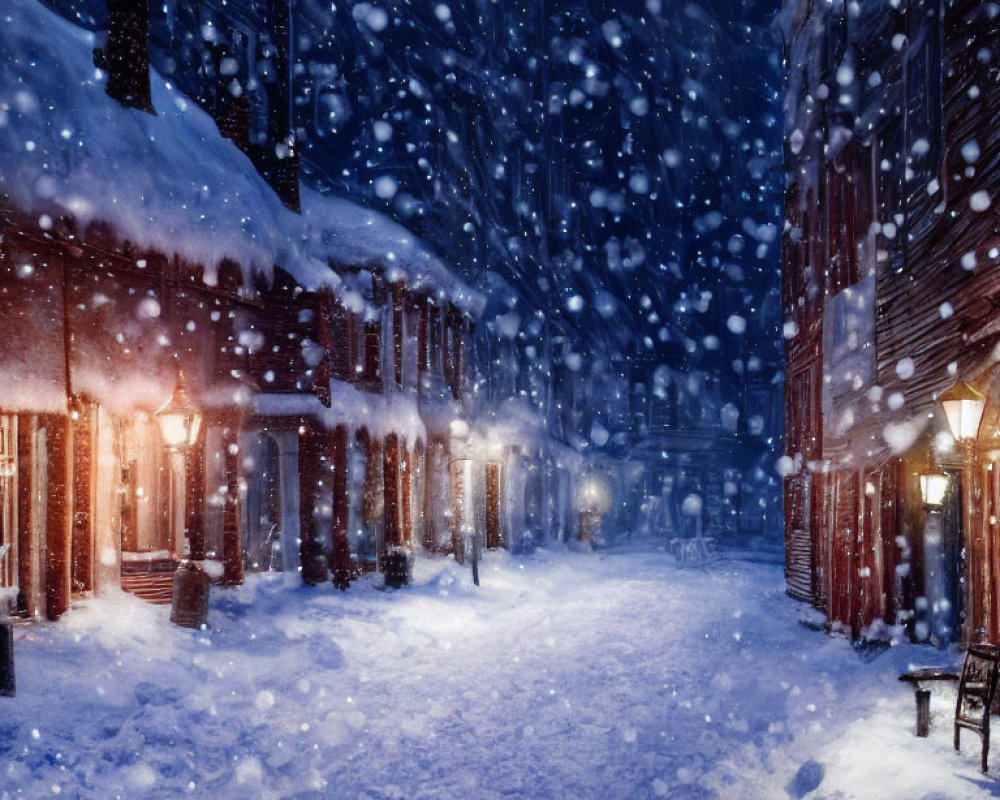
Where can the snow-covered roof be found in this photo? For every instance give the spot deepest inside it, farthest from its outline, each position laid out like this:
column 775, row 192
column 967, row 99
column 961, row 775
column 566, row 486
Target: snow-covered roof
column 170, row 182
column 350, row 235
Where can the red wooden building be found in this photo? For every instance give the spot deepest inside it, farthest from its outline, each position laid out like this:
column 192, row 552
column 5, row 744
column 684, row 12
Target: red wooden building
column 890, row 251
column 324, row 355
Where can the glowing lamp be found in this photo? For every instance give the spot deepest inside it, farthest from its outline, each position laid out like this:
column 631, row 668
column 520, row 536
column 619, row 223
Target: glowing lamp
column 594, row 497
column 180, row 419
column 933, row 486
column 963, row 406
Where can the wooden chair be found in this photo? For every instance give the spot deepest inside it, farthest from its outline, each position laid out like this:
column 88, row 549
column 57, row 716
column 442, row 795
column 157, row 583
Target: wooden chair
column 977, row 693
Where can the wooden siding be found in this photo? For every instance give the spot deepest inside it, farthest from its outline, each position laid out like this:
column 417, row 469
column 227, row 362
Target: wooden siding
column 799, row 566
column 895, row 198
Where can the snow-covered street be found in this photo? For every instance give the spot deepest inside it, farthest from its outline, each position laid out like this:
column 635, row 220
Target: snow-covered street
column 563, row 676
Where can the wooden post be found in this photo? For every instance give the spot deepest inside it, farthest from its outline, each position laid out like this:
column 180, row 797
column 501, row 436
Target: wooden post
column 494, row 536
column 393, row 537
column 83, row 422
column 992, row 515
column 8, row 684
column 194, row 500
column 987, row 560
column 232, row 555
column 341, row 545
column 27, row 551
column 373, row 500
column 973, row 569
column 435, row 463
column 458, row 501
column 311, row 472
column 406, row 494
column 59, row 526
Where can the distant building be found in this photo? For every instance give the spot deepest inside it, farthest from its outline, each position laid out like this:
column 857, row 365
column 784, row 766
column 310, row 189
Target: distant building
column 889, row 267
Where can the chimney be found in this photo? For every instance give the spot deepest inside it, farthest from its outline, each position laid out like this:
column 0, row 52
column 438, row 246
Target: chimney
column 230, row 109
column 280, row 165
column 125, row 57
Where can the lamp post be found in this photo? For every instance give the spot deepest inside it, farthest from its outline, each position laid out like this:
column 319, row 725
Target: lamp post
column 494, row 452
column 180, row 422
column 963, row 407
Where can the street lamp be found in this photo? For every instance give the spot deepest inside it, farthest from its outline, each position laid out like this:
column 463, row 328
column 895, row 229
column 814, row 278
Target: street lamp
column 179, row 419
column 180, row 423
column 593, row 502
column 933, row 486
column 963, row 407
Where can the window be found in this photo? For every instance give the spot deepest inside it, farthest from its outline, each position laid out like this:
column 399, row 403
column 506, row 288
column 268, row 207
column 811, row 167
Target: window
column 434, row 343
column 372, row 371
column 842, row 207
column 423, row 337
column 340, row 335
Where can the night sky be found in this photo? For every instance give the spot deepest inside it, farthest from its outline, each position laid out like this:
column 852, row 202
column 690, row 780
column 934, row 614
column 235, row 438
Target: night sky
column 605, row 164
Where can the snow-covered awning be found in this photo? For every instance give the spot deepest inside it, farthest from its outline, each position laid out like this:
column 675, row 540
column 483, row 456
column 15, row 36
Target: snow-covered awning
column 351, row 407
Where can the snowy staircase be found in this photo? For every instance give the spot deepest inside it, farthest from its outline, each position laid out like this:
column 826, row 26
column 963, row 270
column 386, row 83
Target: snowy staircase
column 151, row 581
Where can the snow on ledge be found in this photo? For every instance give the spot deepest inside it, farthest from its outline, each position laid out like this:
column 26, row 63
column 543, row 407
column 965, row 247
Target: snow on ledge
column 352, row 407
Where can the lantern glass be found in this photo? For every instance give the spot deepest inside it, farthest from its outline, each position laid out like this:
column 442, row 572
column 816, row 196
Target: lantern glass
column 179, row 420
column 173, row 429
column 933, row 486
column 963, row 407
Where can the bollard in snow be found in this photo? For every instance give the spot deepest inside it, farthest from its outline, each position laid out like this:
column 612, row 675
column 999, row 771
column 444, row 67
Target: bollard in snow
column 191, row 593
column 397, row 568
column 7, row 683
column 923, row 712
